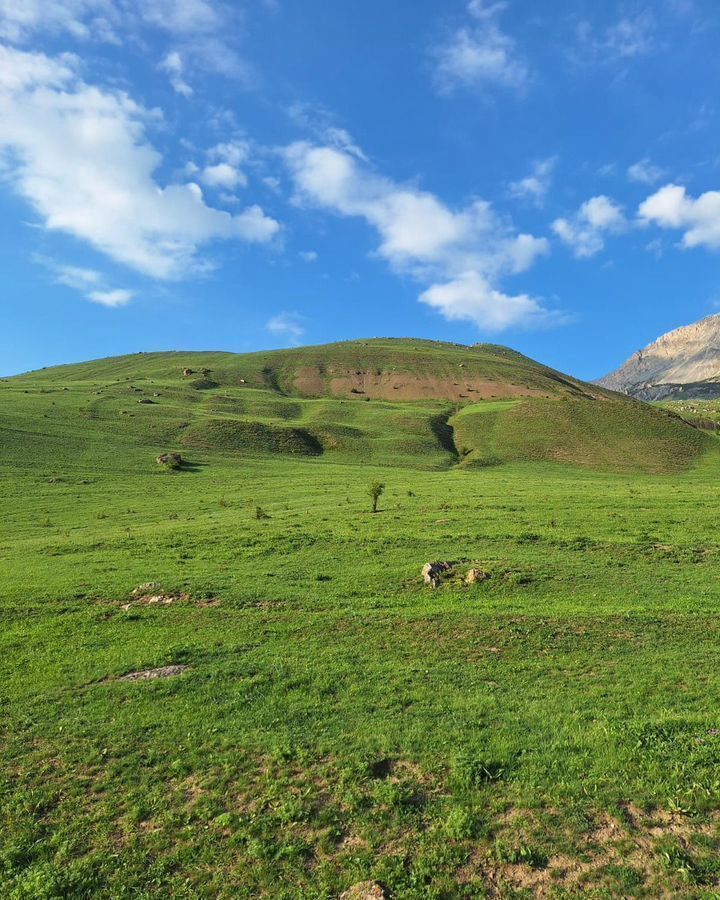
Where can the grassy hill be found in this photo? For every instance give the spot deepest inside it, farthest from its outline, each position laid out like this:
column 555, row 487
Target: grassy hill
column 394, row 368
column 391, row 402
column 327, row 719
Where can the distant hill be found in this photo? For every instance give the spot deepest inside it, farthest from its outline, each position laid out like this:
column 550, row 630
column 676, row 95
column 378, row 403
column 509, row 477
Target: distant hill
column 398, row 402
column 682, row 363
column 380, row 368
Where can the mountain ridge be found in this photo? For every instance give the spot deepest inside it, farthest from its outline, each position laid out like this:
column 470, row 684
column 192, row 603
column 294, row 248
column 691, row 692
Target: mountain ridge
column 684, row 361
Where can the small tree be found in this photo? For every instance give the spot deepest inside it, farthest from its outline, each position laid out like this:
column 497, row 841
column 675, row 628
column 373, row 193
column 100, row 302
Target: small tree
column 377, row 489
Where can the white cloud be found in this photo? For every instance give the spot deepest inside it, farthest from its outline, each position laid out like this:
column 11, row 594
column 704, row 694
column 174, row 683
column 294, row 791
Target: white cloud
column 89, row 282
column 76, row 277
column 223, row 175
column 308, row 256
column 82, row 19
column 585, row 232
column 607, row 170
column 471, row 297
column 203, row 30
column 645, row 172
column 287, row 325
column 459, row 254
column 172, row 64
column 272, row 183
column 111, row 298
column 479, row 53
column 182, row 17
column 603, row 214
column 534, row 187
column 629, row 37
column 699, row 219
column 223, row 172
column 232, row 152
column 80, row 156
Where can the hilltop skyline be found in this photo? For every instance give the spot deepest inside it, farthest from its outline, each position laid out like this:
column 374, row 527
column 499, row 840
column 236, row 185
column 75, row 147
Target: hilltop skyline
column 189, row 174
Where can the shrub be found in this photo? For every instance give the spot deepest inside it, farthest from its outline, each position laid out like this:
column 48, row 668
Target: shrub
column 377, row 489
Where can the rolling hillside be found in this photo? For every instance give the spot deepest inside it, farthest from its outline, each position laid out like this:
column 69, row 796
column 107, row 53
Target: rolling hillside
column 231, row 681
column 390, row 402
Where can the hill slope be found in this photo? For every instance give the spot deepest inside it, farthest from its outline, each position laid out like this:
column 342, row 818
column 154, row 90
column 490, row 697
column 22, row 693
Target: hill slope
column 389, row 402
column 391, row 369
column 684, row 362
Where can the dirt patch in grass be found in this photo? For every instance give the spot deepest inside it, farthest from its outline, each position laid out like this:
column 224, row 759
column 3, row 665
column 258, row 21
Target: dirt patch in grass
column 151, row 674
column 153, row 594
column 617, row 855
column 311, row 380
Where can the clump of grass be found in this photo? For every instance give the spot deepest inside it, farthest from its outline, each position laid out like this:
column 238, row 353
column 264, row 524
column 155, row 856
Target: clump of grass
column 460, row 824
column 470, row 770
column 523, row 854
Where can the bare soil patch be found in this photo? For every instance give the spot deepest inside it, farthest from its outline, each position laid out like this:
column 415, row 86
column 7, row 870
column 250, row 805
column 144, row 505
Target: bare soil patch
column 151, row 674
column 312, row 381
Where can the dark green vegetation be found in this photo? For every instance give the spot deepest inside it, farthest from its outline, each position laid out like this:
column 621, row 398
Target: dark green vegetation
column 554, row 729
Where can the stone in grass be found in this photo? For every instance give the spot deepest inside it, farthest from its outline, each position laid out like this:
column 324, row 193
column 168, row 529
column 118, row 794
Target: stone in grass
column 152, row 593
column 364, row 890
column 149, row 587
column 476, row 575
column 432, row 572
column 150, row 674
column 171, row 460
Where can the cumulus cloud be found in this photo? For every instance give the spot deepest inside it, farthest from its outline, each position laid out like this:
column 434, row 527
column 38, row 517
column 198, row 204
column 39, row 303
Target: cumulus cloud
column 222, row 175
column 308, row 256
column 81, row 158
column 287, row 325
column 479, row 53
column 470, row 296
column 223, row 171
column 585, row 232
column 644, row 171
column 461, row 255
column 699, row 218
column 173, row 66
column 534, row 187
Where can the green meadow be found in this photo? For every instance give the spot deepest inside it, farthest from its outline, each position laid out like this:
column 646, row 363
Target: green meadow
column 552, row 730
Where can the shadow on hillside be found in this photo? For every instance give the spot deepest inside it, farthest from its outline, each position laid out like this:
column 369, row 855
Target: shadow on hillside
column 187, row 465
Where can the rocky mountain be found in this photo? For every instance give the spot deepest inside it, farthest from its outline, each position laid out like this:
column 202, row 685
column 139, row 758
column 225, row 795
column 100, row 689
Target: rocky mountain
column 682, row 363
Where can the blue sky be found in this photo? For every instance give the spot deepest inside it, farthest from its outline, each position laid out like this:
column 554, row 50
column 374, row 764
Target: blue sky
column 192, row 174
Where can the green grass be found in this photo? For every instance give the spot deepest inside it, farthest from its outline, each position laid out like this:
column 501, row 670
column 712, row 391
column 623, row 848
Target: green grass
column 623, row 437
column 278, row 369
column 552, row 729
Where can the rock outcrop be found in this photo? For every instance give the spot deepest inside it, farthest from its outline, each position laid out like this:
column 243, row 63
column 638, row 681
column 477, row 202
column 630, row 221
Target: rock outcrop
column 684, row 362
